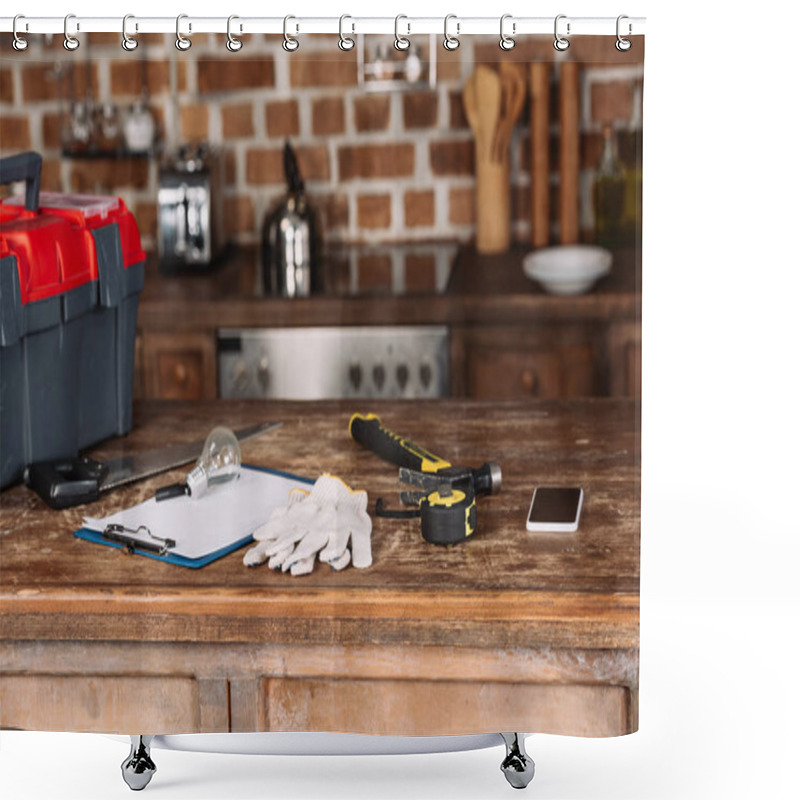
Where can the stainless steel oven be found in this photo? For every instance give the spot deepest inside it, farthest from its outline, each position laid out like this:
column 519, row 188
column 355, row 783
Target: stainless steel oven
column 334, row 362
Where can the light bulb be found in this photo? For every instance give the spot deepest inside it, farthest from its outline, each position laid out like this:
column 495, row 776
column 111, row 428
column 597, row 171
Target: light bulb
column 219, row 462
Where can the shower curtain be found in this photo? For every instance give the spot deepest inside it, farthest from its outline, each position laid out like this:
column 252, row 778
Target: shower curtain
column 484, row 196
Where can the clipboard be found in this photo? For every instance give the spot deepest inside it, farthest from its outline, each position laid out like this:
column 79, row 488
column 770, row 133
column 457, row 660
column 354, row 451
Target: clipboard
column 191, row 532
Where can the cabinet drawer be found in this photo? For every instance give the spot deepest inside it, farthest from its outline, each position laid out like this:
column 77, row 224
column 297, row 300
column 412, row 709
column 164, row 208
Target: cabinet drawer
column 532, row 371
column 181, row 367
column 625, row 359
column 119, row 703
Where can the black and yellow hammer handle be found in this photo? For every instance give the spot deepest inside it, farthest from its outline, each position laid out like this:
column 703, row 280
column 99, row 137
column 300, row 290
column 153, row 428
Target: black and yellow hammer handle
column 367, row 430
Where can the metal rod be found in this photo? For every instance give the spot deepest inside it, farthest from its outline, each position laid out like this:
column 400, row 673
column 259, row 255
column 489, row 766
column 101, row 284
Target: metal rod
column 579, row 26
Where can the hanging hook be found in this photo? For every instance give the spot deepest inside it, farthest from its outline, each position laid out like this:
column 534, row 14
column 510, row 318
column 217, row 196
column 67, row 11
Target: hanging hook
column 19, row 44
column 233, row 44
column 345, row 42
column 128, row 42
column 70, row 42
column 401, row 42
column 290, row 43
column 561, row 43
column 181, row 42
column 507, row 42
column 451, row 42
column 623, row 44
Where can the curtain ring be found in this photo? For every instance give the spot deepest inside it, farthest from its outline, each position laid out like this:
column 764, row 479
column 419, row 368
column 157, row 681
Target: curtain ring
column 561, row 43
column 451, row 42
column 128, row 42
column 233, row 44
column 19, row 44
column 506, row 42
column 345, row 42
column 70, row 42
column 181, row 42
column 290, row 44
column 623, row 44
column 401, row 42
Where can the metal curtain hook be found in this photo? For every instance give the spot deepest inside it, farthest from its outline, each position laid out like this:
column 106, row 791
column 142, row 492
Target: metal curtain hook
column 181, row 42
column 561, row 43
column 290, row 44
column 233, row 44
column 622, row 44
column 401, row 42
column 451, row 42
column 345, row 42
column 70, row 42
column 128, row 42
column 506, row 42
column 19, row 44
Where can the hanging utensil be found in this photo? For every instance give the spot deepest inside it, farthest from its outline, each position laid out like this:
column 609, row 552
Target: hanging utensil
column 489, row 93
column 482, row 106
column 512, row 84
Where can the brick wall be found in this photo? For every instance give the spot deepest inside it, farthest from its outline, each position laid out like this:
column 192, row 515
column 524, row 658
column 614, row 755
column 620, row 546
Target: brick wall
column 383, row 167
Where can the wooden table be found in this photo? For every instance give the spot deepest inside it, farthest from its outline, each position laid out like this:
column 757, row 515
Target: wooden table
column 510, row 631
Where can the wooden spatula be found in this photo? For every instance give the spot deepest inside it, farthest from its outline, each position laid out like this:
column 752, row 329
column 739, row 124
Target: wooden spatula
column 489, row 93
column 512, row 83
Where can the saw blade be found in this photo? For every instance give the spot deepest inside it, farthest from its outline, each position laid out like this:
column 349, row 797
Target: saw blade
column 128, row 469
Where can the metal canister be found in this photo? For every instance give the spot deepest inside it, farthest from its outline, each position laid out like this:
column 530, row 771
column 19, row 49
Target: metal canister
column 290, row 248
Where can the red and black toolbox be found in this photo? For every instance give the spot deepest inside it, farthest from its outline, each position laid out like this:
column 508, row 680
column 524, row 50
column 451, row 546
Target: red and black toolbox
column 71, row 270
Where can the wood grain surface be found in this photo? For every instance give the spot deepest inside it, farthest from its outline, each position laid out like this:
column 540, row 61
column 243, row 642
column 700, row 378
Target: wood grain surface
column 522, row 607
column 503, row 586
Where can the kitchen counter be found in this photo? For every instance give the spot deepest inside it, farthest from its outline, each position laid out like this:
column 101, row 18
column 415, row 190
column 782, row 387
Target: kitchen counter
column 480, row 289
column 507, row 338
column 508, row 631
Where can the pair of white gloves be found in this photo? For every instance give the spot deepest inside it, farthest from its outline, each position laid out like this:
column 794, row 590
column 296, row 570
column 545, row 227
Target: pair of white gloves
column 324, row 520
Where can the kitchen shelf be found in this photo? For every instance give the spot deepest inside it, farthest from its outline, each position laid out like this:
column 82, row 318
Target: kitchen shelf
column 98, row 154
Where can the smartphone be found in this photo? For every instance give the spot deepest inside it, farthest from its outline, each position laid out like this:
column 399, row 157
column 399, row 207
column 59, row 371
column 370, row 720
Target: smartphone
column 555, row 509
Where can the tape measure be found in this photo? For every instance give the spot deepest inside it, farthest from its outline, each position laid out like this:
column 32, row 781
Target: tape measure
column 446, row 503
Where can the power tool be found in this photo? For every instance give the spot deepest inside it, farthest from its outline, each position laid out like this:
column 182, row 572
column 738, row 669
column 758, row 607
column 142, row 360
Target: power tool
column 446, row 504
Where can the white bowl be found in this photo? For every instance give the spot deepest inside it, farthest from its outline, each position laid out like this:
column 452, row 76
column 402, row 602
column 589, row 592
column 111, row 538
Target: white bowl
column 570, row 269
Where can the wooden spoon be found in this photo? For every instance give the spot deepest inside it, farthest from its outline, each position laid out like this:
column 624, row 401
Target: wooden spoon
column 489, row 94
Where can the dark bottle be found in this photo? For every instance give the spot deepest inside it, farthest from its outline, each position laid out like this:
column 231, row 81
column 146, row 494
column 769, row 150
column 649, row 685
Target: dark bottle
column 609, row 193
column 290, row 251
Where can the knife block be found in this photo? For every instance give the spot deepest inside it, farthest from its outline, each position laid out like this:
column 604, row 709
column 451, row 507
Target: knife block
column 492, row 205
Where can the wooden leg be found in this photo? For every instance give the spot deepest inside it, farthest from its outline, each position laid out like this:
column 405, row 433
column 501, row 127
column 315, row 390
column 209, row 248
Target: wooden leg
column 138, row 768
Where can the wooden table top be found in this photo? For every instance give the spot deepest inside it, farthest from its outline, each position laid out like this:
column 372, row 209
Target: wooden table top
column 504, row 587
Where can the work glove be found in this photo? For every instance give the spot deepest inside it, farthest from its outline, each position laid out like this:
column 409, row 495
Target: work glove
column 322, row 521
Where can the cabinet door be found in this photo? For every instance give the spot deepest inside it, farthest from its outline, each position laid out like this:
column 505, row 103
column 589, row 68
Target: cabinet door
column 180, row 366
column 625, row 359
column 512, row 362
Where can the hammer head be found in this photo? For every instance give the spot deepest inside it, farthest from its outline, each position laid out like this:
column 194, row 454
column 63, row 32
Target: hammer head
column 488, row 478
column 485, row 480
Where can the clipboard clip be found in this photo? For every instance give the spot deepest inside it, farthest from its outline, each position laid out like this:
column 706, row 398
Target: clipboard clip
column 115, row 532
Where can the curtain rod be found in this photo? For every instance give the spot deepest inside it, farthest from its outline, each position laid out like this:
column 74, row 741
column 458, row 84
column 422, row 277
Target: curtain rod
column 348, row 25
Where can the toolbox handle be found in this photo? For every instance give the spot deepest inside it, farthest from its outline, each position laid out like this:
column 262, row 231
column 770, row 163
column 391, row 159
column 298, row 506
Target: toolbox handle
column 24, row 167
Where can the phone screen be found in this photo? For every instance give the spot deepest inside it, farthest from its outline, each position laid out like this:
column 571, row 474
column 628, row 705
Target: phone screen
column 555, row 509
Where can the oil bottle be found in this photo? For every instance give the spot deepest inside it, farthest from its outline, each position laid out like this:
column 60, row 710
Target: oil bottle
column 609, row 193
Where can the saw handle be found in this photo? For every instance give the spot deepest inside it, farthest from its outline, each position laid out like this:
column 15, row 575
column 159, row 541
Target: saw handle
column 66, row 482
column 367, row 430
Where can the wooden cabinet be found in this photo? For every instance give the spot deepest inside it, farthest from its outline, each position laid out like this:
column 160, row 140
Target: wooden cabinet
column 180, row 366
column 624, row 350
column 514, row 362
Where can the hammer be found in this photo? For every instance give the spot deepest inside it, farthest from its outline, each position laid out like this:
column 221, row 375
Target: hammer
column 446, row 504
